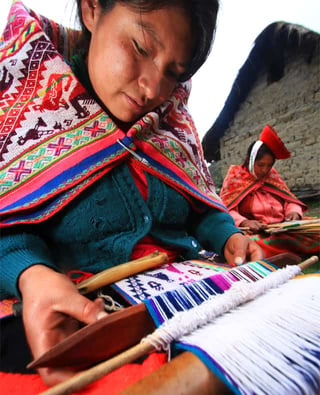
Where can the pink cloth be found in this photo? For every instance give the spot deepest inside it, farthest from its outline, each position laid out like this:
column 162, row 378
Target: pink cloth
column 264, row 207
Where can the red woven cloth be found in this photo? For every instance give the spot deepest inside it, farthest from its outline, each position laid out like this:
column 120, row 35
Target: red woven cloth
column 113, row 383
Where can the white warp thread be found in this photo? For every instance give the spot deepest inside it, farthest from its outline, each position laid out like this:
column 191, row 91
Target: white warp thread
column 271, row 345
column 240, row 292
column 268, row 345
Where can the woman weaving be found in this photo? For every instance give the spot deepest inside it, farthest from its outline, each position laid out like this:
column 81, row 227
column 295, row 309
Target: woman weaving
column 256, row 196
column 101, row 162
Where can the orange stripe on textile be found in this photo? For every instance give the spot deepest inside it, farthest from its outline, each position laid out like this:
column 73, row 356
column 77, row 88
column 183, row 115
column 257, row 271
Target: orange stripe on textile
column 113, row 383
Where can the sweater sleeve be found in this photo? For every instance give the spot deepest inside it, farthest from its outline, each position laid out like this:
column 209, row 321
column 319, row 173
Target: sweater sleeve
column 17, row 253
column 238, row 218
column 292, row 208
column 214, row 229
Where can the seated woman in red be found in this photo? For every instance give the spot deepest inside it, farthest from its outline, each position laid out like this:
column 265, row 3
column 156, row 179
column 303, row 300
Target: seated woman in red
column 256, row 196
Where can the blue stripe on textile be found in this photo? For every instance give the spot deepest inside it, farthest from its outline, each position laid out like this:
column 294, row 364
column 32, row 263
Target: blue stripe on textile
column 157, row 319
column 68, row 174
column 162, row 307
column 42, row 210
column 185, row 297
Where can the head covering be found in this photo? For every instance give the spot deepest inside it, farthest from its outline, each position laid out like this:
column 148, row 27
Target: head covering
column 270, row 138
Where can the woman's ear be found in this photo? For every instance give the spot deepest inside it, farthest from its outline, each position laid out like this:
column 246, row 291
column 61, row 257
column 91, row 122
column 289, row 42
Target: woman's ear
column 89, row 9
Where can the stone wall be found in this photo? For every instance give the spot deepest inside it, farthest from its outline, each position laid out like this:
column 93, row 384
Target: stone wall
column 292, row 106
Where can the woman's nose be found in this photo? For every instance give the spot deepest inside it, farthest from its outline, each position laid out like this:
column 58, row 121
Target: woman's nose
column 151, row 83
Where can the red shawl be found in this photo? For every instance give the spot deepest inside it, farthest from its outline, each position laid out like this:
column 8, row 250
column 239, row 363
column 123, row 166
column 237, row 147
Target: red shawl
column 239, row 182
column 55, row 140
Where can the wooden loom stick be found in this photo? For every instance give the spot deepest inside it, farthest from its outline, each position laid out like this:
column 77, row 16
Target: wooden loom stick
column 287, row 226
column 124, row 270
column 293, row 223
column 86, row 377
column 244, row 228
column 126, row 327
column 308, row 262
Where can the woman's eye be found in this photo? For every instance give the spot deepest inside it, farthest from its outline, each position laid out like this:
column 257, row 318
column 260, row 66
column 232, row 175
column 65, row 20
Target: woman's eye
column 141, row 50
column 173, row 75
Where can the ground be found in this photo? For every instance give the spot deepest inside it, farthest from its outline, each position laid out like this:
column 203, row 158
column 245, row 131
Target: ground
column 313, row 207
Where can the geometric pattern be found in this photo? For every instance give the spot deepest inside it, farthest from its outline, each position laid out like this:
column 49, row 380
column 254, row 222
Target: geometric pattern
column 54, row 135
column 168, row 277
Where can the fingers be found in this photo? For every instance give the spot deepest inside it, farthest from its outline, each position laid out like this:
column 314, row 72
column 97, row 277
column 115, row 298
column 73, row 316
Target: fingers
column 239, row 249
column 253, row 225
column 239, row 256
column 255, row 251
column 293, row 217
column 238, row 260
column 250, row 252
column 84, row 310
column 235, row 249
column 52, row 377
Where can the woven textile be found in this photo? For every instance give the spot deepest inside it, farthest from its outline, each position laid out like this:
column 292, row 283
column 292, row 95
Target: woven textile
column 55, row 140
column 169, row 277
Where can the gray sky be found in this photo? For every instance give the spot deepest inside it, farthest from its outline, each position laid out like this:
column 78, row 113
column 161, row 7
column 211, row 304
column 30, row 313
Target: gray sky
column 239, row 23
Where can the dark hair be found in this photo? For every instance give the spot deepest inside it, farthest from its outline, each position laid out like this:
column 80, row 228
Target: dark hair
column 202, row 13
column 263, row 150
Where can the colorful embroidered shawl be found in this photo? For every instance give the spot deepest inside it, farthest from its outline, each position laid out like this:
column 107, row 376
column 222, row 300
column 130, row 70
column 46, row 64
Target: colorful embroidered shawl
column 239, row 182
column 55, row 140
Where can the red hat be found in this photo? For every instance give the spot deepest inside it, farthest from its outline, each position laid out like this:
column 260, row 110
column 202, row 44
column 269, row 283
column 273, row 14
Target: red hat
column 270, row 138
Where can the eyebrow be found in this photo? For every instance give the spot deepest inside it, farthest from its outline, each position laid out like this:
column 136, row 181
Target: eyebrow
column 145, row 26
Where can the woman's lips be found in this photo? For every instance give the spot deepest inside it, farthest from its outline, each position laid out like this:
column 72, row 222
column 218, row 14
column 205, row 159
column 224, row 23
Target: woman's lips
column 136, row 105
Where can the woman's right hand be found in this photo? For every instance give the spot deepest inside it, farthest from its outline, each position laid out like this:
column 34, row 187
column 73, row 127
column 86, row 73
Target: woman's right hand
column 52, row 310
column 253, row 226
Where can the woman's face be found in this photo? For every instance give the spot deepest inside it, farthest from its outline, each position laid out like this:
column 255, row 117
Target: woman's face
column 263, row 166
column 135, row 59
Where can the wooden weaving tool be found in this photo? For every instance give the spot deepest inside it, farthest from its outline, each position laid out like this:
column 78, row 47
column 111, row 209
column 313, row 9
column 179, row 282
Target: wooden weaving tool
column 125, row 327
column 145, row 349
column 304, row 226
column 92, row 374
column 119, row 272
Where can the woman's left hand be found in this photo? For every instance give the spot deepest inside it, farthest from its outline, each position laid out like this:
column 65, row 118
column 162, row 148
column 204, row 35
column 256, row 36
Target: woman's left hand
column 239, row 249
column 293, row 216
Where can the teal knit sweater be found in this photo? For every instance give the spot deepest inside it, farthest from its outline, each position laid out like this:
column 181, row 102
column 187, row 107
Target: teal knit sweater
column 100, row 227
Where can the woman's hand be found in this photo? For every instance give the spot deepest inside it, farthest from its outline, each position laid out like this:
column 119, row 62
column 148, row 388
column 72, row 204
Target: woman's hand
column 52, row 309
column 293, row 216
column 253, row 225
column 239, row 249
